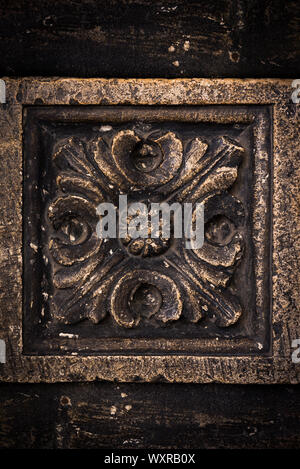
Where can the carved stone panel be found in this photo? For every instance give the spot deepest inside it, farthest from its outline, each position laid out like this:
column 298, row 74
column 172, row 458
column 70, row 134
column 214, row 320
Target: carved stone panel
column 146, row 288
column 146, row 307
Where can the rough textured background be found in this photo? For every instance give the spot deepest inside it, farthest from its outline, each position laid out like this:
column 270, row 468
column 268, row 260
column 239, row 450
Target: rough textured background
column 149, row 416
column 144, row 38
column 135, row 39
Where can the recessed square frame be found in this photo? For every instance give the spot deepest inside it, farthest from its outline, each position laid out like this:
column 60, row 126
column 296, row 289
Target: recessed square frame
column 275, row 364
column 252, row 337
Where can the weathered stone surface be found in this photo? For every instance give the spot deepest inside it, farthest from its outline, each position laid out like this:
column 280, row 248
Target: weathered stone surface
column 145, row 38
column 231, row 143
column 142, row 416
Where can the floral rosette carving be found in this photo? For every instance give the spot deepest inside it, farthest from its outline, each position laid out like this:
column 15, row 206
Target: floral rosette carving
column 144, row 279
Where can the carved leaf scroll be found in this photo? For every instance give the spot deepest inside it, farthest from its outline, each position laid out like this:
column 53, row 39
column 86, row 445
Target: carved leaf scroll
column 144, row 279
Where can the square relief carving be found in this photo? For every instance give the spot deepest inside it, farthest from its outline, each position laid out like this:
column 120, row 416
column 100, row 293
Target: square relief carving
column 124, row 294
column 151, row 307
